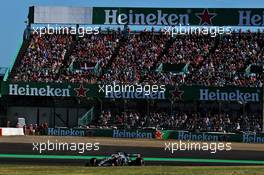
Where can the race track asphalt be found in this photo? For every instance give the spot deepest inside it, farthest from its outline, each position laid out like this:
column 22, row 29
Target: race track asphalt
column 182, row 157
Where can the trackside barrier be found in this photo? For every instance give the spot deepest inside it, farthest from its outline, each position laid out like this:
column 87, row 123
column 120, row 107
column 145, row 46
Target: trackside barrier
column 210, row 136
column 11, row 132
column 160, row 134
column 96, row 132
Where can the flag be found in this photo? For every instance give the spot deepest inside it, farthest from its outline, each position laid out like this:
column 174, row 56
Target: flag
column 248, row 70
column 87, row 118
column 160, row 68
column 185, row 68
column 96, row 69
column 71, row 68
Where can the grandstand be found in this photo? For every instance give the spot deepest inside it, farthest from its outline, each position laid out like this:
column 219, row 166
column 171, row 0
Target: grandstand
column 210, row 61
column 187, row 64
column 3, row 71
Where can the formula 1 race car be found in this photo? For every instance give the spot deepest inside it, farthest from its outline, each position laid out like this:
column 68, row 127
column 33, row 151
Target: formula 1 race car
column 118, row 159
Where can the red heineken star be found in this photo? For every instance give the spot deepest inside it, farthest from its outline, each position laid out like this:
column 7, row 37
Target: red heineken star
column 176, row 94
column 158, row 135
column 206, row 17
column 81, row 91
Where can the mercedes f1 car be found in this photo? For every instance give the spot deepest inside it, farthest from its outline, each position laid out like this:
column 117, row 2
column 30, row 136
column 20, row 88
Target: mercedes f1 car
column 118, row 159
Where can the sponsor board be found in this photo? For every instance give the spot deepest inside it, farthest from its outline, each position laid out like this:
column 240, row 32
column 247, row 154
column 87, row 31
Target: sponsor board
column 185, row 135
column 66, row 132
column 147, row 16
column 251, row 18
column 182, row 135
column 139, row 134
column 27, row 90
column 180, row 93
column 178, row 16
column 160, row 134
column 136, row 95
column 253, row 138
column 208, row 137
column 48, row 89
column 156, row 17
column 211, row 93
column 237, row 95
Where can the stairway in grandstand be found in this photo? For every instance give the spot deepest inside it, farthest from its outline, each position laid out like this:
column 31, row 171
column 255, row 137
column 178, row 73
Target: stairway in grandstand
column 66, row 61
column 166, row 47
column 115, row 54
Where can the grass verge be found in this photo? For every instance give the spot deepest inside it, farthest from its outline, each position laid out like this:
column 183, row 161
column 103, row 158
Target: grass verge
column 147, row 170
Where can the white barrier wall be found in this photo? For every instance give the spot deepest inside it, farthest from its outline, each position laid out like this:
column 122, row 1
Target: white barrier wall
column 11, row 132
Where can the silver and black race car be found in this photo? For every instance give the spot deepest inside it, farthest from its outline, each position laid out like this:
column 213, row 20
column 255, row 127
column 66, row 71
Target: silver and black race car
column 118, row 159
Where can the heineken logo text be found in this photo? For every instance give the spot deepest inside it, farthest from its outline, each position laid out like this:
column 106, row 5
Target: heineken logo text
column 15, row 89
column 155, row 18
column 132, row 134
column 247, row 18
column 253, row 138
column 237, row 95
column 198, row 137
column 65, row 132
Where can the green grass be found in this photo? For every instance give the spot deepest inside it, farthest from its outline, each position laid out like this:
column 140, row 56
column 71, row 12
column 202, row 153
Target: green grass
column 147, row 170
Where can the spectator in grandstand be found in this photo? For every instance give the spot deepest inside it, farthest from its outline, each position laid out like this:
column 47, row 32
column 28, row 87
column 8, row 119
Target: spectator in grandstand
column 88, row 52
column 110, row 57
column 43, row 58
column 196, row 121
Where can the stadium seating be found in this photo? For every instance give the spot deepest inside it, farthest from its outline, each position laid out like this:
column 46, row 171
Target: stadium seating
column 43, row 58
column 195, row 121
column 142, row 57
column 135, row 58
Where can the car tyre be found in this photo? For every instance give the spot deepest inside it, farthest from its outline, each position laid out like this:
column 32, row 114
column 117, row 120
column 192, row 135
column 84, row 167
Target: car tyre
column 93, row 162
column 139, row 162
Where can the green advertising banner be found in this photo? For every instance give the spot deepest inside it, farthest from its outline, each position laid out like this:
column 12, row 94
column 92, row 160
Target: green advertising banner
column 117, row 91
column 203, row 136
column 79, row 132
column 147, row 16
column 161, row 135
column 49, row 89
column 135, row 134
column 178, row 16
column 96, row 132
column 210, row 137
column 207, row 93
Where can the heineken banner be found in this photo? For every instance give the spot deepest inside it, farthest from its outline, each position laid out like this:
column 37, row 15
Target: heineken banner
column 139, row 91
column 161, row 135
column 147, row 16
column 203, row 136
column 79, row 132
column 148, row 134
column 253, row 138
column 139, row 134
column 65, row 132
column 210, row 137
column 227, row 93
column 49, row 89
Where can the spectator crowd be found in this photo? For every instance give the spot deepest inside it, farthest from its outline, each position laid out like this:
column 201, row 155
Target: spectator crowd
column 195, row 121
column 112, row 56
